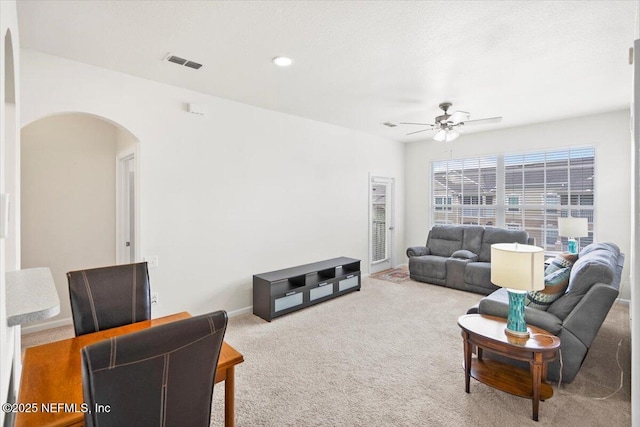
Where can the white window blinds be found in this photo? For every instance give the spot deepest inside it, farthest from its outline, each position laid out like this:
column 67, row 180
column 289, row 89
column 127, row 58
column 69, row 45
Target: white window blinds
column 518, row 191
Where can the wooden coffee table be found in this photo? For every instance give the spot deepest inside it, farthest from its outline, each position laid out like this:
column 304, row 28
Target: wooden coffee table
column 487, row 332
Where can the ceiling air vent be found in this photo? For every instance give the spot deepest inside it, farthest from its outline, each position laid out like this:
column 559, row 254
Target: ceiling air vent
column 193, row 65
column 182, row 61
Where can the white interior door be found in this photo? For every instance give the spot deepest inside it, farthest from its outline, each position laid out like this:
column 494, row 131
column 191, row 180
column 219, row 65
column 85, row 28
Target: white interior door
column 380, row 223
column 126, row 230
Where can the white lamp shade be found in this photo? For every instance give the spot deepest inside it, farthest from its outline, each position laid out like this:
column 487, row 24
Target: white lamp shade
column 517, row 266
column 573, row 227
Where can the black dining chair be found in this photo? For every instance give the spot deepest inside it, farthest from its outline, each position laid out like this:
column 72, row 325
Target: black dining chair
column 161, row 376
column 108, row 297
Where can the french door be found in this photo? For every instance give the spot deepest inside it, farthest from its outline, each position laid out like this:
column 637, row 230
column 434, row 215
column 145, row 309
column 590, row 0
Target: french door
column 380, row 223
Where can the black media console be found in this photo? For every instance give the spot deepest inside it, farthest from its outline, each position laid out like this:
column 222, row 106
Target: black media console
column 283, row 291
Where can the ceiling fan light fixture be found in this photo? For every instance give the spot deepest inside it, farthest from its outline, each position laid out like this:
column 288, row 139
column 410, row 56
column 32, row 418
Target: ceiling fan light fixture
column 440, row 136
column 451, row 136
column 446, row 135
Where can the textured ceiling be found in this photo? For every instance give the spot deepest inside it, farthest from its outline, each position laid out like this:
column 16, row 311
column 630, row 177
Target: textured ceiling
column 359, row 63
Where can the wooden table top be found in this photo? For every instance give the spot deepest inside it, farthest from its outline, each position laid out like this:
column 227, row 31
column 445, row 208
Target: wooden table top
column 52, row 373
column 492, row 328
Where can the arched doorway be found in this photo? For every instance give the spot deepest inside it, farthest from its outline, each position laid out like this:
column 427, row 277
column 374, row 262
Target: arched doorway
column 70, row 196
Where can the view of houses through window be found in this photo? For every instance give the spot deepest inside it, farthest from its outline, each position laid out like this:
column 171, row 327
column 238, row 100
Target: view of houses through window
column 527, row 191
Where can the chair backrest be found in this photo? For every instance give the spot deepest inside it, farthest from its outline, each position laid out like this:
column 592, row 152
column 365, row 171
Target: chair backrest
column 108, row 297
column 161, row 376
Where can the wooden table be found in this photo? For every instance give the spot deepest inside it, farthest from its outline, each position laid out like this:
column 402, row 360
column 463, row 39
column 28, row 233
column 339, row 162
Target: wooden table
column 487, row 332
column 52, row 374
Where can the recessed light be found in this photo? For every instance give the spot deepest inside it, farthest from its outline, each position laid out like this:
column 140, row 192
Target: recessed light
column 282, row 61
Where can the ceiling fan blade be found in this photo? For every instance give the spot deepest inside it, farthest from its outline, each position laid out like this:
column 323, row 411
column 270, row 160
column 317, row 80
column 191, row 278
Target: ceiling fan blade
column 483, row 121
column 418, row 131
column 421, row 124
column 459, row 116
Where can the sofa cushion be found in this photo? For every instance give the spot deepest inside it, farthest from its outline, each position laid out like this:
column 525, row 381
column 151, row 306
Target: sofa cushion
column 444, row 240
column 597, row 265
column 478, row 274
column 428, row 266
column 612, row 248
column 472, row 239
column 555, row 283
column 499, row 235
column 497, row 304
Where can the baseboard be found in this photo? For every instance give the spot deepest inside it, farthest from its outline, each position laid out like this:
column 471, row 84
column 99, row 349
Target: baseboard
column 46, row 325
column 240, row 311
column 623, row 302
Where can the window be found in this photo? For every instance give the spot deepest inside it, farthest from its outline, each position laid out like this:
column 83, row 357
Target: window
column 440, row 201
column 536, row 189
column 513, row 201
column 468, row 186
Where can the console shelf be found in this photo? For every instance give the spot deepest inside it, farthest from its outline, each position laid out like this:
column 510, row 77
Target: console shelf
column 280, row 292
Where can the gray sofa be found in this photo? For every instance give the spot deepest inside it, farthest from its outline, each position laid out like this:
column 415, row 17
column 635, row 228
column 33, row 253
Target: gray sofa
column 459, row 256
column 576, row 316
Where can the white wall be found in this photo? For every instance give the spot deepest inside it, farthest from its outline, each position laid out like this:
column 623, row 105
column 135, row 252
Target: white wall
column 68, row 196
column 124, row 140
column 239, row 191
column 609, row 133
column 9, row 140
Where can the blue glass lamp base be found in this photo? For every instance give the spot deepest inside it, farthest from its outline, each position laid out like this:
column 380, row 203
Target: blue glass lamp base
column 572, row 246
column 516, row 324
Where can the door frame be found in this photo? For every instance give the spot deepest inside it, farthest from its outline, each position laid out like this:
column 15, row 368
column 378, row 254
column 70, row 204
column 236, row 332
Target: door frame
column 121, row 213
column 374, row 178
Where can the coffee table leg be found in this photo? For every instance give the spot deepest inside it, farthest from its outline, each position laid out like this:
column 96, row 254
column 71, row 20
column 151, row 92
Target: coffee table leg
column 536, row 377
column 467, row 360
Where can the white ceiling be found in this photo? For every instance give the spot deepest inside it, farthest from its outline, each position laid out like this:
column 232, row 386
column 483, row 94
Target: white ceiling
column 361, row 63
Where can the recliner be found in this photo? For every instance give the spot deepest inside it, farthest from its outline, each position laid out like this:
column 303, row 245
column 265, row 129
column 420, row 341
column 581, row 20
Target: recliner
column 161, row 376
column 108, row 297
column 577, row 315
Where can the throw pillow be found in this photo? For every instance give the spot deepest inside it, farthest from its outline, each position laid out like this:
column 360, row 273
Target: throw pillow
column 555, row 284
column 561, row 261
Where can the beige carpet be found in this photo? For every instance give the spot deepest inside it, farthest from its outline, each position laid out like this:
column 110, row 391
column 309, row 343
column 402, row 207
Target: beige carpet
column 391, row 355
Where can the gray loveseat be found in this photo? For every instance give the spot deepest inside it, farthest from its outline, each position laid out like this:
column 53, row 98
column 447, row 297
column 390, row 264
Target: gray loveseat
column 577, row 315
column 459, row 256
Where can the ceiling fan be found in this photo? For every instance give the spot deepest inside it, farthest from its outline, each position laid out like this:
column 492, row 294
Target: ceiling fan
column 449, row 126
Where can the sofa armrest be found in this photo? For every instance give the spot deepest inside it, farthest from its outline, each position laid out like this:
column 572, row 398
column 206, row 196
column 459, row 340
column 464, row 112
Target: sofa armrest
column 497, row 304
column 464, row 254
column 585, row 319
column 418, row 251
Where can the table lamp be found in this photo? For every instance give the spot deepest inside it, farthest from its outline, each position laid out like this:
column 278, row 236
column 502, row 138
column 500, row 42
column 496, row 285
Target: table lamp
column 519, row 268
column 571, row 228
